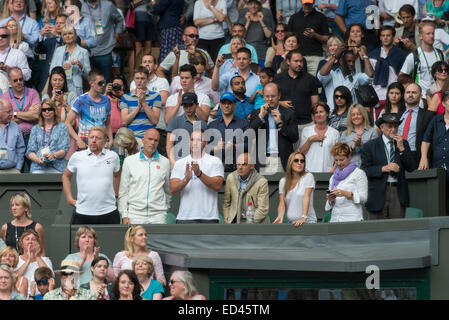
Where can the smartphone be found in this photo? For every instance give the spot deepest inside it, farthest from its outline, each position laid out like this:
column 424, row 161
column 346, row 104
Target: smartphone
column 227, row 56
column 328, row 191
column 58, row 92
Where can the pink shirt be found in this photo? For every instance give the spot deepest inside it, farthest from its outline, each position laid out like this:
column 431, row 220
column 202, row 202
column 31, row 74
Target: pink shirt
column 122, row 262
column 116, row 116
column 31, row 98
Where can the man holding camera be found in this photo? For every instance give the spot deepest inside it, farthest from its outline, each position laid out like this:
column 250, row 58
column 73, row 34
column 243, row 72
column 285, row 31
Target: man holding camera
column 280, row 128
column 141, row 109
column 313, row 31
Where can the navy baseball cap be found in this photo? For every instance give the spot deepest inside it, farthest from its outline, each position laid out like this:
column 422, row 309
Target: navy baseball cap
column 189, row 98
column 228, row 96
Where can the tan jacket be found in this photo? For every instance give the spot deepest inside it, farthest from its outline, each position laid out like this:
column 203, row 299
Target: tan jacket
column 236, row 201
column 400, row 32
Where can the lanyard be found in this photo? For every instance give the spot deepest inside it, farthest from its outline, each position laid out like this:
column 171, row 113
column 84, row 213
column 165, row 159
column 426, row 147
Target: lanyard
column 6, row 136
column 49, row 136
column 427, row 64
column 91, row 15
column 9, row 50
column 23, row 101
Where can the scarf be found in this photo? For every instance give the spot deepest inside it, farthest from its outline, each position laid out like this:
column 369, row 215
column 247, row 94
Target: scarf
column 395, row 58
column 340, row 175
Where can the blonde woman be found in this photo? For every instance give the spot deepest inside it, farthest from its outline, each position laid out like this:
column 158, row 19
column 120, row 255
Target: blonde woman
column 126, row 144
column 136, row 244
column 11, row 232
column 9, row 256
column 50, row 10
column 332, row 45
column 358, row 131
column 87, row 243
column 143, row 267
column 296, row 192
column 182, row 287
column 7, row 285
column 16, row 36
column 236, row 43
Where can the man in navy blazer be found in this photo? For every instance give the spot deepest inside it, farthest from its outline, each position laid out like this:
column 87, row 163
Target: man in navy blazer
column 384, row 161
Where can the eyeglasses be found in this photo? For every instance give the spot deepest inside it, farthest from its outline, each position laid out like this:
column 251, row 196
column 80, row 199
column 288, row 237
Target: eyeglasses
column 44, row 282
column 196, row 36
column 299, row 160
column 4, row 36
column 441, row 70
column 339, row 96
column 47, row 109
column 278, row 31
column 101, row 83
column 18, row 79
column 66, row 274
column 172, row 282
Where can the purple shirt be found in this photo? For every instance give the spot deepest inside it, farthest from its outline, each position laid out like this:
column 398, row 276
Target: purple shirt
column 31, row 98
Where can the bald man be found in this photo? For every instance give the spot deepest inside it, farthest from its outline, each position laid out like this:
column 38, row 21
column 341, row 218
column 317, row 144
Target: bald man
column 414, row 120
column 144, row 194
column 12, row 145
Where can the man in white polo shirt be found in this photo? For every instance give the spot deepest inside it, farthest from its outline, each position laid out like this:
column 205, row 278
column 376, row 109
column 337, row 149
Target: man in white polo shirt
column 144, row 195
column 97, row 178
column 198, row 178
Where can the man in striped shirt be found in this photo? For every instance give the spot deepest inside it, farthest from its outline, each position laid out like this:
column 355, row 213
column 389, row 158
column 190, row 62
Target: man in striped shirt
column 140, row 109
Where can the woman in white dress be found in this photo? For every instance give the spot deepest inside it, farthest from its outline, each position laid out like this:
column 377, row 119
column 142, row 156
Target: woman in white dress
column 348, row 187
column 317, row 140
column 296, row 193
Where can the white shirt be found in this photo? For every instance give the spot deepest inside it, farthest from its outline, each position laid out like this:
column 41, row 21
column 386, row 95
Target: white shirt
column 157, row 85
column 441, row 39
column 295, row 197
column 392, row 76
column 173, row 100
column 427, row 59
column 197, row 201
column 393, row 6
column 16, row 58
column 29, row 272
column 144, row 186
column 386, row 142
column 214, row 30
column 319, row 158
column 343, row 209
column 94, row 180
column 202, row 85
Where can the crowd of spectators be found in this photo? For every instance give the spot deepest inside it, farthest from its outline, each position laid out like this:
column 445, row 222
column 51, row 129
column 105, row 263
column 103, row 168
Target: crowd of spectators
column 359, row 89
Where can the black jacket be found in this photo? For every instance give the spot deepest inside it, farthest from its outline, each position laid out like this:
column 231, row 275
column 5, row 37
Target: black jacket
column 373, row 159
column 287, row 135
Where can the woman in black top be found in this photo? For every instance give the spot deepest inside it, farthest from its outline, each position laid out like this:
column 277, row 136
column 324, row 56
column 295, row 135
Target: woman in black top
column 20, row 205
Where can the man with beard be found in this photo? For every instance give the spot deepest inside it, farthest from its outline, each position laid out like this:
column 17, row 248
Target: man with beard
column 243, row 107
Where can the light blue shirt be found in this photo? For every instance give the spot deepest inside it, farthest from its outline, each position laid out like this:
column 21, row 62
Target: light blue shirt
column 226, row 48
column 85, row 29
column 244, row 183
column 251, row 82
column 327, row 12
column 411, row 137
column 272, row 146
column 288, row 7
column 30, row 28
column 335, row 78
column 15, row 145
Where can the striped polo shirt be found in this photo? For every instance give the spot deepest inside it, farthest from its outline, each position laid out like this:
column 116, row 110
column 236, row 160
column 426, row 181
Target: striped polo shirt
column 141, row 123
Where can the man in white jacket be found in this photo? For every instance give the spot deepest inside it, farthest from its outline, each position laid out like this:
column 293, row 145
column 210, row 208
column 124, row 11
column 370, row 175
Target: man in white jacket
column 144, row 195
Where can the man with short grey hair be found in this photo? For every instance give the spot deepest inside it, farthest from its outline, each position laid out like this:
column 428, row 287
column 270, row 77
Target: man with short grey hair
column 12, row 146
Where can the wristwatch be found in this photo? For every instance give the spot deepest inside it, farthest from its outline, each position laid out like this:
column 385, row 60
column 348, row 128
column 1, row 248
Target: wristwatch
column 365, row 57
column 15, row 114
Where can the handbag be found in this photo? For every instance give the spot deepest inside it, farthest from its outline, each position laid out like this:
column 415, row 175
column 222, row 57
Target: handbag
column 126, row 41
column 366, row 96
column 130, row 18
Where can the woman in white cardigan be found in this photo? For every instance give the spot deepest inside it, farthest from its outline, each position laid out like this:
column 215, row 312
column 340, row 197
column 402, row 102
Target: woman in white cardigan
column 348, row 187
column 74, row 59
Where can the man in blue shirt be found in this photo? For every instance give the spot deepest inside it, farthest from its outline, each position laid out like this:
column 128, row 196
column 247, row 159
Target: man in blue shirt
column 231, row 142
column 12, row 145
column 243, row 106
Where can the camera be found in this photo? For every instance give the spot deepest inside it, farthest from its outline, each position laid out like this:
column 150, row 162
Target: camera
column 58, row 91
column 116, row 87
column 227, row 56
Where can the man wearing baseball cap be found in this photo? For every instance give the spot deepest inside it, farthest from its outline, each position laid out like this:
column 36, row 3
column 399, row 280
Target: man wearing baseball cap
column 186, row 122
column 384, row 161
column 311, row 27
column 228, row 145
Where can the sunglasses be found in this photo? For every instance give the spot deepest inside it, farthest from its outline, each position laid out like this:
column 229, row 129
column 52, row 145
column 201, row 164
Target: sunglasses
column 19, row 79
column 39, row 282
column 339, row 96
column 47, row 109
column 196, row 36
column 299, row 160
column 278, row 31
column 67, row 274
column 4, row 36
column 441, row 70
column 101, row 83
column 173, row 281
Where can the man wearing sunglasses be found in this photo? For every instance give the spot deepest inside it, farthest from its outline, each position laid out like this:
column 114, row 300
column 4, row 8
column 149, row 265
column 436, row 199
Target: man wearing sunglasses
column 10, row 57
column 180, row 54
column 92, row 109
